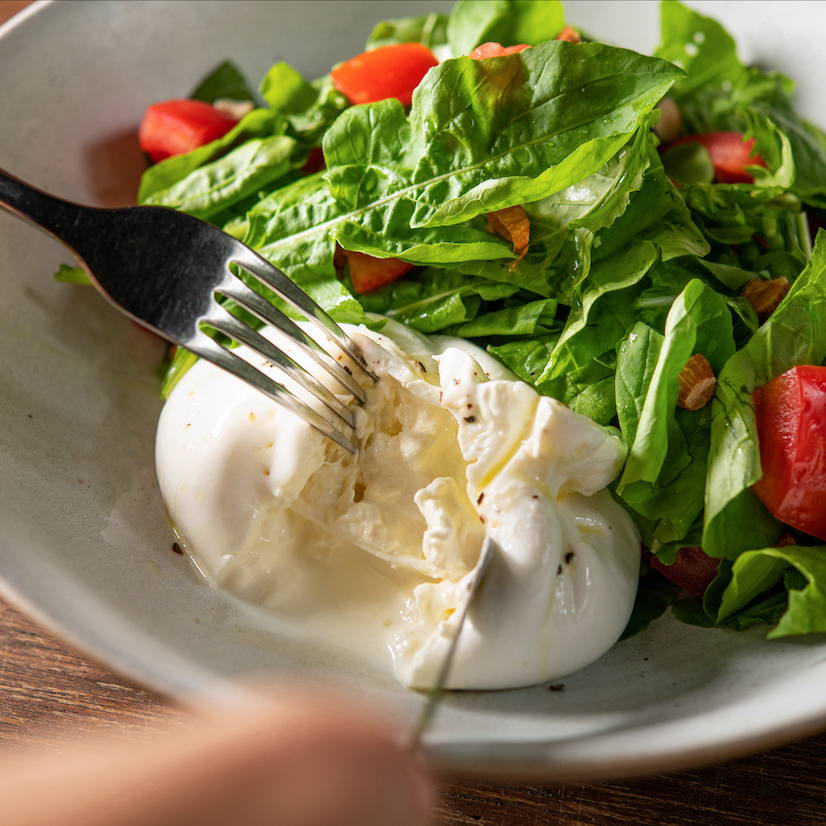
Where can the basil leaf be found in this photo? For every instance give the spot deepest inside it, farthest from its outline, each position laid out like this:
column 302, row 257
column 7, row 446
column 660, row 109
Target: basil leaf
column 225, row 81
column 508, row 22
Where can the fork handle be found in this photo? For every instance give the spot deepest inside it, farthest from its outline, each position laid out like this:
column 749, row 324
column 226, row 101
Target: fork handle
column 59, row 218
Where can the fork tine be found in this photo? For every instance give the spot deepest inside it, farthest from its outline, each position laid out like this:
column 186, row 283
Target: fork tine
column 273, row 278
column 263, row 309
column 223, row 321
column 205, row 347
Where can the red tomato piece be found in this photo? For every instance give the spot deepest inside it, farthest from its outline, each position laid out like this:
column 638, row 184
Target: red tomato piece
column 693, row 570
column 368, row 273
column 174, row 127
column 387, row 72
column 496, row 50
column 729, row 153
column 791, row 428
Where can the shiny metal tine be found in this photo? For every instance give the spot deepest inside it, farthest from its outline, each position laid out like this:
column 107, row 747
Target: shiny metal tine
column 270, row 275
column 223, row 321
column 258, row 305
column 202, row 345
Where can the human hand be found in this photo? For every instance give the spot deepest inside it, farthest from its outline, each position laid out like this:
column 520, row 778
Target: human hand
column 302, row 759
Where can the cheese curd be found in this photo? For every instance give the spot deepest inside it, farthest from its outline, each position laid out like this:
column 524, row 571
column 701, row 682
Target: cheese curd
column 376, row 552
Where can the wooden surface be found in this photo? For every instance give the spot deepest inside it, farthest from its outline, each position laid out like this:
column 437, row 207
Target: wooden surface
column 45, row 688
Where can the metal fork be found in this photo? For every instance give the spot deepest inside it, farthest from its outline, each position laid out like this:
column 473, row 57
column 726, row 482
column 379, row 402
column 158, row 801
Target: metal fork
column 166, row 270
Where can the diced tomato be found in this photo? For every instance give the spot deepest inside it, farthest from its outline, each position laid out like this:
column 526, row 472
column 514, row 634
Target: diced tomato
column 315, row 161
column 369, row 274
column 387, row 72
column 496, row 50
column 791, row 428
column 177, row 126
column 729, row 153
column 693, row 570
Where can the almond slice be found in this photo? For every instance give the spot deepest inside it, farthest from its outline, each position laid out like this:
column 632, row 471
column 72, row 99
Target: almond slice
column 697, row 383
column 569, row 35
column 764, row 296
column 512, row 223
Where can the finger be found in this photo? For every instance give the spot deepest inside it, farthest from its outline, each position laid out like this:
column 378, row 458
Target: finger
column 301, row 761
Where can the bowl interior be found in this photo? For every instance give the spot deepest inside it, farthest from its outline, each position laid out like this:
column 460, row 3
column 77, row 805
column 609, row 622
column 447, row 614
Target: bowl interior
column 85, row 544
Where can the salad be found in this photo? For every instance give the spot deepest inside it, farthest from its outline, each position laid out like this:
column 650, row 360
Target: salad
column 629, row 234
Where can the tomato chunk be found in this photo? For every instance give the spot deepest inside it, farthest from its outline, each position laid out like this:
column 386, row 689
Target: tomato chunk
column 693, row 570
column 729, row 153
column 791, row 428
column 496, row 50
column 174, row 127
column 369, row 274
column 387, row 72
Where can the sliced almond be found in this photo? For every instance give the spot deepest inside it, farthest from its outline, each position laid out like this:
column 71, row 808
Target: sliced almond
column 234, row 108
column 764, row 296
column 512, row 223
column 569, row 35
column 697, row 383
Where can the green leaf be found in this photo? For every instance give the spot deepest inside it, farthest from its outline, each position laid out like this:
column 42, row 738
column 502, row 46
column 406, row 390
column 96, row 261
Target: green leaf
column 509, row 22
column 219, row 185
column 260, row 123
column 637, row 357
column 607, row 309
column 754, row 572
column 224, row 82
column 433, row 300
column 72, row 275
column 486, row 135
column 428, row 29
column 181, row 361
column 283, row 88
column 654, row 595
column 528, row 319
column 700, row 46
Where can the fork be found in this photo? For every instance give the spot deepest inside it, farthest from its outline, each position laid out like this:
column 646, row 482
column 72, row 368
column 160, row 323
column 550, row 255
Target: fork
column 166, row 269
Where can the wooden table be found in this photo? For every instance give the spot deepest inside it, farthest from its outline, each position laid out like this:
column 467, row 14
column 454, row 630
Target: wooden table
column 45, row 687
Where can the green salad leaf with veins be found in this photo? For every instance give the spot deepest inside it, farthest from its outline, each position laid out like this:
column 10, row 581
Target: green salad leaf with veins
column 627, row 274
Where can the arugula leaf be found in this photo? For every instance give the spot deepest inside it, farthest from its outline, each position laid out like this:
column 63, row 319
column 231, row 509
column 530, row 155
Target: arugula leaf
column 509, row 22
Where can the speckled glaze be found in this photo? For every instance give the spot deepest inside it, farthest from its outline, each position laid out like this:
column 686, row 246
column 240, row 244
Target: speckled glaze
column 85, row 545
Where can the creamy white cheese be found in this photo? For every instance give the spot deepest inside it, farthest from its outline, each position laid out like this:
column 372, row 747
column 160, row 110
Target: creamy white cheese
column 375, row 552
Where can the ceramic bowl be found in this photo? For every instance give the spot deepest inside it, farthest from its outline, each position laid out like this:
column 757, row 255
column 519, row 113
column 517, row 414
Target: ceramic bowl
column 85, row 546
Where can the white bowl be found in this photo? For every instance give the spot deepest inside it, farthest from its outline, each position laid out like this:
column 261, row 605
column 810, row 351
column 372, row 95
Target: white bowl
column 85, row 546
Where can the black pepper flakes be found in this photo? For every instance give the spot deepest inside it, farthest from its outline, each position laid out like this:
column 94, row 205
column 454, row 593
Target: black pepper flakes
column 469, row 419
column 480, row 498
column 556, row 687
column 177, row 548
column 569, row 557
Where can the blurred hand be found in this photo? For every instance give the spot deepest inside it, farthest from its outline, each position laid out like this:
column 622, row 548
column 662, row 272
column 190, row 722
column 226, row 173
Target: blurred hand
column 303, row 760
